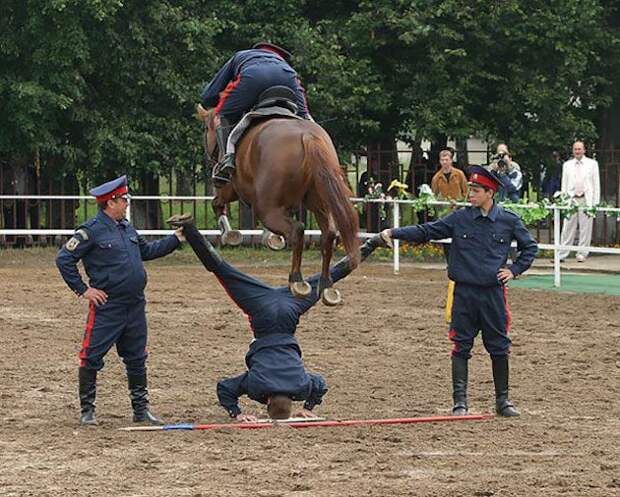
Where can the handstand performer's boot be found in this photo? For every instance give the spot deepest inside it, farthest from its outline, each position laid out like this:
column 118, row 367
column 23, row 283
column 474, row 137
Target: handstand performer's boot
column 88, row 392
column 139, row 395
column 202, row 247
column 224, row 169
column 459, row 386
column 503, row 406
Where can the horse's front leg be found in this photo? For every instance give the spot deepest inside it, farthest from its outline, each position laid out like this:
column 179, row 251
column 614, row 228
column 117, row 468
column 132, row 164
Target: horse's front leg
column 329, row 294
column 298, row 286
column 223, row 196
column 280, row 222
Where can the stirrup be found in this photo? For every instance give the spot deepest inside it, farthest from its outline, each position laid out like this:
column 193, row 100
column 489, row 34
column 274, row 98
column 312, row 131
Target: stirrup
column 223, row 171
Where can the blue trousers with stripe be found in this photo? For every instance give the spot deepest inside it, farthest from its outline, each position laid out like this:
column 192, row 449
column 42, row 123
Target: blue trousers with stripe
column 477, row 308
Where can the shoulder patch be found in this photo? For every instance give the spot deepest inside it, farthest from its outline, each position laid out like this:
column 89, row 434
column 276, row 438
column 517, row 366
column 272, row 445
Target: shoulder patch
column 72, row 244
column 82, row 233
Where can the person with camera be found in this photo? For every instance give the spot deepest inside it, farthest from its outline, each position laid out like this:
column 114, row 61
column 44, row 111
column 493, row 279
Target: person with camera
column 509, row 173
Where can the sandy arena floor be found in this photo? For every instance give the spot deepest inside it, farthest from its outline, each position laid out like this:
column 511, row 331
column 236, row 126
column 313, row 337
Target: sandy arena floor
column 384, row 354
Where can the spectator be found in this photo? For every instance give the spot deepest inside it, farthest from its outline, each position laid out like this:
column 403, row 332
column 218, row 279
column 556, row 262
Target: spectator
column 552, row 181
column 510, row 174
column 448, row 183
column 580, row 181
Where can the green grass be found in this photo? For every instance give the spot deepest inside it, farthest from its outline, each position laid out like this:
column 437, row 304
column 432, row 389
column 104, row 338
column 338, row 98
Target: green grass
column 575, row 283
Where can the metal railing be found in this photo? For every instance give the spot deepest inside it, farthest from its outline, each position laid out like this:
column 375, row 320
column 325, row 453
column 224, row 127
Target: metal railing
column 396, row 204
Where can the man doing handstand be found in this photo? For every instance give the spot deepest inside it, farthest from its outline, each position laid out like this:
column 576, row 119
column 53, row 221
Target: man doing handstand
column 276, row 375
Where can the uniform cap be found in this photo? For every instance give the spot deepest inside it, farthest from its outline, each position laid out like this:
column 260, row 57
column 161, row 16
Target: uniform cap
column 479, row 176
column 112, row 189
column 282, row 52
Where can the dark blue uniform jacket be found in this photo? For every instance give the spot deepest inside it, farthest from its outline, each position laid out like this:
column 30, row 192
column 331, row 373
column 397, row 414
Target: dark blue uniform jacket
column 112, row 254
column 274, row 367
column 480, row 244
column 274, row 360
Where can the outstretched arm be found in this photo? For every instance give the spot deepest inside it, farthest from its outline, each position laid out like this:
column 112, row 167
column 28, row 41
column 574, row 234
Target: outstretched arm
column 422, row 233
column 158, row 248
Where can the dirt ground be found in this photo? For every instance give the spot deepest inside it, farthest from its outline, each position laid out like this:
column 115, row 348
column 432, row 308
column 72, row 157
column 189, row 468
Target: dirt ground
column 384, row 354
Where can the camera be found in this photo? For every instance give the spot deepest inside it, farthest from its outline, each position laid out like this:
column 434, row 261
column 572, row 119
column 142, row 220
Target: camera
column 502, row 160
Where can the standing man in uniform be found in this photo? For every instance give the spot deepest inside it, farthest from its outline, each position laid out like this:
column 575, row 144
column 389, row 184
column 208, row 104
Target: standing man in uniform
column 580, row 181
column 235, row 89
column 112, row 253
column 481, row 237
column 275, row 373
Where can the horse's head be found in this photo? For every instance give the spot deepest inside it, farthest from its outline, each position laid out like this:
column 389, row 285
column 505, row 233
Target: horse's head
column 209, row 141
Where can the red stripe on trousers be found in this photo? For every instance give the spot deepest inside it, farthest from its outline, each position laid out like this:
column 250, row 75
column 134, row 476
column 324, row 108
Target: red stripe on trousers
column 455, row 346
column 226, row 93
column 87, row 335
column 235, row 301
column 508, row 313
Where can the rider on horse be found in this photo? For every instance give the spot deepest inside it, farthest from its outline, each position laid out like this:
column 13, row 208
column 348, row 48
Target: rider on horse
column 235, row 90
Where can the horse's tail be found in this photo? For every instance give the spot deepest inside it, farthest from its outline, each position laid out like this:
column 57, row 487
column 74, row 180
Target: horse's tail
column 321, row 160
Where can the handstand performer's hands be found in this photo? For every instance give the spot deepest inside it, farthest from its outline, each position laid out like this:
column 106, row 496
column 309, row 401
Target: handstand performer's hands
column 246, row 418
column 386, row 235
column 304, row 413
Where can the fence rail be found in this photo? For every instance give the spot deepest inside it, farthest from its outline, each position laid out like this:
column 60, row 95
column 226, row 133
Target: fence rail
column 395, row 204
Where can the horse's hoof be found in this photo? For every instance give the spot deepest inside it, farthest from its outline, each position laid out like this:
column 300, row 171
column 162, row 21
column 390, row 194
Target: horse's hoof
column 300, row 289
column 331, row 296
column 179, row 220
column 232, row 238
column 275, row 242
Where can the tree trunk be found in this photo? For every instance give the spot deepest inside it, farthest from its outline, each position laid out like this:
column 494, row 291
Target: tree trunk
column 462, row 157
column 146, row 214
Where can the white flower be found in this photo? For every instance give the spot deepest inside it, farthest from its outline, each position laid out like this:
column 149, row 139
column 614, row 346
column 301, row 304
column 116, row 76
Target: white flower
column 425, row 190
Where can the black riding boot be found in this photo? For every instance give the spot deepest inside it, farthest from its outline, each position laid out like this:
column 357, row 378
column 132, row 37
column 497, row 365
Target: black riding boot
column 503, row 406
column 223, row 170
column 88, row 392
column 139, row 396
column 207, row 254
column 459, row 386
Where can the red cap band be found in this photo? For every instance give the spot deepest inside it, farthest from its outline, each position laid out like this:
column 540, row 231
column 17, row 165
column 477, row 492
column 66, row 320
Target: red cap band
column 480, row 179
column 121, row 190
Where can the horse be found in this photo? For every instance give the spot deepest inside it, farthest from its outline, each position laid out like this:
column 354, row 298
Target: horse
column 281, row 164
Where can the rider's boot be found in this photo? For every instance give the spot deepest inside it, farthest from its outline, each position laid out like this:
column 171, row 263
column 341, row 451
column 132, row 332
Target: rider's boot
column 224, row 169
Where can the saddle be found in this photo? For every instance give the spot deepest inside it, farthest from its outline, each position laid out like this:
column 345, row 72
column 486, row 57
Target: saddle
column 276, row 101
column 277, row 96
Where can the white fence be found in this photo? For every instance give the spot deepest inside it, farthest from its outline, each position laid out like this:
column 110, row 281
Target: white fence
column 556, row 209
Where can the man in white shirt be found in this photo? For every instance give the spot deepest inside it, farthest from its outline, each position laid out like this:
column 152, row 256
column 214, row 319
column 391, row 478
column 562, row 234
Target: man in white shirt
column 580, row 181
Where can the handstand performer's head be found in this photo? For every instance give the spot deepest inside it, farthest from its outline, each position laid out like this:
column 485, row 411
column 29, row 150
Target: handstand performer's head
column 279, row 407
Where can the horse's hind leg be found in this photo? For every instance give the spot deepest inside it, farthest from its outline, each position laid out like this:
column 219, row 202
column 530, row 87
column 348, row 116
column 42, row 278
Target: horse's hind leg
column 280, row 222
column 329, row 295
column 224, row 196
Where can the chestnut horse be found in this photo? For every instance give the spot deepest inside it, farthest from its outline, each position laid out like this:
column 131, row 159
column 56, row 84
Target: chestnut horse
column 282, row 164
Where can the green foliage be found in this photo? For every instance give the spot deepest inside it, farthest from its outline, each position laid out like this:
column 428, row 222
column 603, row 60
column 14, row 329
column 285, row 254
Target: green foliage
column 111, row 86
